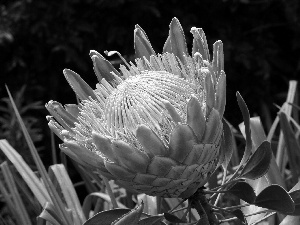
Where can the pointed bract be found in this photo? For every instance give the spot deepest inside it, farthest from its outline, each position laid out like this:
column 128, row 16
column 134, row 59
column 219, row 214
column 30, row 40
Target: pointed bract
column 200, row 43
column 221, row 94
column 181, row 143
column 130, row 157
column 79, row 86
column 151, row 143
column 195, row 117
column 142, row 45
column 176, row 43
column 104, row 69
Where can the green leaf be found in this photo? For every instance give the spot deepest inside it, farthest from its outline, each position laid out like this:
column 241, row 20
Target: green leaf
column 132, row 217
column 106, row 217
column 68, row 192
column 290, row 220
column 153, row 220
column 115, row 215
column 259, row 162
column 60, row 207
column 49, row 214
column 173, row 219
column 295, row 195
column 274, row 197
column 227, row 147
column 240, row 215
column 246, row 118
column 27, row 174
column 244, row 191
column 292, row 145
column 258, row 136
column 87, row 203
column 19, row 206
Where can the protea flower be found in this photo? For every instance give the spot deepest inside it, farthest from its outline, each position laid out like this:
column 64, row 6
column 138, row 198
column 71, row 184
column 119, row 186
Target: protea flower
column 156, row 126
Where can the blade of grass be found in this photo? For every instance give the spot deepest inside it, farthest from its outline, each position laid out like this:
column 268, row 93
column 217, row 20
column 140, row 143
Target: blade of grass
column 9, row 202
column 27, row 174
column 68, row 192
column 292, row 146
column 60, row 208
column 280, row 159
column 18, row 203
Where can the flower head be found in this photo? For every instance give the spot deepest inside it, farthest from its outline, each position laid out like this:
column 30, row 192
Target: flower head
column 155, row 126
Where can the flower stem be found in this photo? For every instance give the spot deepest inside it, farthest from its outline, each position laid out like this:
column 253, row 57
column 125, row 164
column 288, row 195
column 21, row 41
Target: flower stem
column 200, row 203
column 110, row 193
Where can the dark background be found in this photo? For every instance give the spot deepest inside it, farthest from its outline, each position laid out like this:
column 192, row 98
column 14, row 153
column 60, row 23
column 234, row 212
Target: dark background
column 39, row 38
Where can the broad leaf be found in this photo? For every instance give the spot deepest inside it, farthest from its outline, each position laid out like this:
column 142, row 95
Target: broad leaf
column 153, row 220
column 173, row 219
column 240, row 215
column 259, row 162
column 244, row 191
column 295, row 195
column 290, row 220
column 227, row 147
column 258, row 136
column 246, row 118
column 274, row 197
column 132, row 217
column 110, row 216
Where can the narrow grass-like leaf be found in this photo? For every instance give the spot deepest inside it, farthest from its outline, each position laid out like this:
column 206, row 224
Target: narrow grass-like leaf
column 150, row 203
column 259, row 162
column 27, row 174
column 9, row 202
column 292, row 145
column 274, row 197
column 49, row 215
column 41, row 168
column 244, row 191
column 18, row 203
column 68, row 192
column 281, row 158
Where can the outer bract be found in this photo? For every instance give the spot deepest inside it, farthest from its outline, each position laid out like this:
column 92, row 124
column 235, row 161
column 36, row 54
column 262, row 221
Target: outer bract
column 155, row 126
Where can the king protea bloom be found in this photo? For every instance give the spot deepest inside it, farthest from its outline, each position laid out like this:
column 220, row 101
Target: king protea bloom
column 155, row 126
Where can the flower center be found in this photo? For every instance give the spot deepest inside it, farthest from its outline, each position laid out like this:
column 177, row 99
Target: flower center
column 140, row 100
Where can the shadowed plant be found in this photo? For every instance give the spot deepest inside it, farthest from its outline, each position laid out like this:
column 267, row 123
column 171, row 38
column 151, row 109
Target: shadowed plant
column 156, row 127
